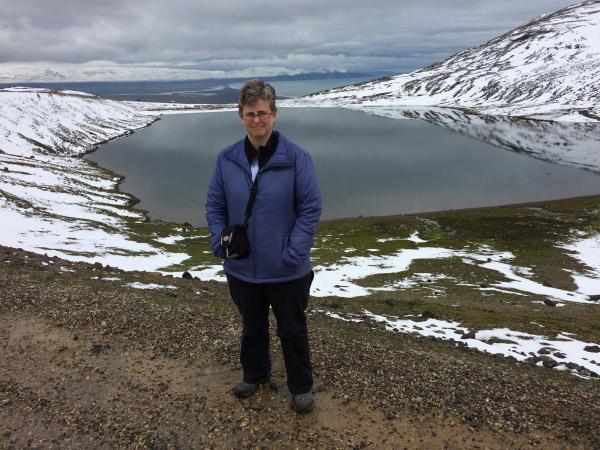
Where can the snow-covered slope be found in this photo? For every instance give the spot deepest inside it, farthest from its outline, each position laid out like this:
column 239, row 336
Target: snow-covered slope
column 42, row 121
column 550, row 65
column 52, row 200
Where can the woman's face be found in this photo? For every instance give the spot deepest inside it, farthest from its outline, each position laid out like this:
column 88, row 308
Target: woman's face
column 258, row 128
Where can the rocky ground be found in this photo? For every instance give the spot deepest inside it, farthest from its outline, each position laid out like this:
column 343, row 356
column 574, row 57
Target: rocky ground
column 88, row 362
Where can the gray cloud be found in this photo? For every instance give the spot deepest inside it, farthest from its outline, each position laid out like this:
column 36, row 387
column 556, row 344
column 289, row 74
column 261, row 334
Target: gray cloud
column 234, row 35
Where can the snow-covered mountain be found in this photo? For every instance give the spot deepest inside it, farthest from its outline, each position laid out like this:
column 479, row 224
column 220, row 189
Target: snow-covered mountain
column 43, row 72
column 549, row 67
column 37, row 121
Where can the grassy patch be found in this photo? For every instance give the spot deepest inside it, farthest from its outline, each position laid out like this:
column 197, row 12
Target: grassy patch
column 496, row 340
column 195, row 242
column 532, row 233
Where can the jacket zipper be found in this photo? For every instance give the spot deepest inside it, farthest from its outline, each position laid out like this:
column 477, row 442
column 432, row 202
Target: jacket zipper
column 252, row 253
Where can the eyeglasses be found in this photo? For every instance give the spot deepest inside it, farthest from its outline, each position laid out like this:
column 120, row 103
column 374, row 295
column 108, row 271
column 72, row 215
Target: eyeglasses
column 262, row 115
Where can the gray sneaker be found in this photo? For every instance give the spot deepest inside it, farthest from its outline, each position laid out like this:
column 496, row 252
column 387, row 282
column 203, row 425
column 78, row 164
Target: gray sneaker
column 243, row 389
column 304, row 403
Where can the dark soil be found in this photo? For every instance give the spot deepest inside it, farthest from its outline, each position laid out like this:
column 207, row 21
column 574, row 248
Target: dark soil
column 91, row 363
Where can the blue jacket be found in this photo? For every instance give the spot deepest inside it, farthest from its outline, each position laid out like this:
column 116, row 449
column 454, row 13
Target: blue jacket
column 285, row 214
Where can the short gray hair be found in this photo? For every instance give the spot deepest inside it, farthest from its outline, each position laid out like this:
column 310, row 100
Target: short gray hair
column 254, row 90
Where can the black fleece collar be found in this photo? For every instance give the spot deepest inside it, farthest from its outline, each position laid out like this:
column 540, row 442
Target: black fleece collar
column 264, row 152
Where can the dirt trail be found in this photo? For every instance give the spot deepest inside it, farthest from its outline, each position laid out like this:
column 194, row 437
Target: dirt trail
column 87, row 364
column 64, row 389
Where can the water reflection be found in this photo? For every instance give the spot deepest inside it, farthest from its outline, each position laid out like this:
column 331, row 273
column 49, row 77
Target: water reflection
column 572, row 144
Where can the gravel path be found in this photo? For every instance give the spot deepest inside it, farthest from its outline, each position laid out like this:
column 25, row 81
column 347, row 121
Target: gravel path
column 87, row 362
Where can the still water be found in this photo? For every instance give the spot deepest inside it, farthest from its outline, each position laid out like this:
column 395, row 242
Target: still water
column 366, row 165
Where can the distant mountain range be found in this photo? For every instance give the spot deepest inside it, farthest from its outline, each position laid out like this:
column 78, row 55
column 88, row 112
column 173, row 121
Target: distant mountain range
column 548, row 67
column 11, row 74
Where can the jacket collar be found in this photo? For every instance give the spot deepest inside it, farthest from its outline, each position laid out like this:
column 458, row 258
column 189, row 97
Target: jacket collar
column 280, row 158
column 263, row 153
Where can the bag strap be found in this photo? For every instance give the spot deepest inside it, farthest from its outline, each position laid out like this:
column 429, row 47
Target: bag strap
column 251, row 199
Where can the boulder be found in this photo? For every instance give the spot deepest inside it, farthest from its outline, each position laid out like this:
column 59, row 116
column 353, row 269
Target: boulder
column 548, row 362
column 532, row 360
column 428, row 315
column 469, row 335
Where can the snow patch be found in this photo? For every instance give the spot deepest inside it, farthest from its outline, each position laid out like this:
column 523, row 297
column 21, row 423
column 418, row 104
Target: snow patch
column 341, row 279
column 587, row 251
column 563, row 351
column 138, row 285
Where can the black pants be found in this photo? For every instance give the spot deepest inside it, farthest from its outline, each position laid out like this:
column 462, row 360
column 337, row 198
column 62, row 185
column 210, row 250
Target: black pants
column 288, row 301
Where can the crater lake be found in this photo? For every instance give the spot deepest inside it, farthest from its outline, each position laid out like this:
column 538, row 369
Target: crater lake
column 367, row 165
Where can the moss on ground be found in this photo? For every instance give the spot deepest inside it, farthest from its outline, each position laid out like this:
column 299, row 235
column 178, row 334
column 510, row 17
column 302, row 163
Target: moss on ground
column 532, row 233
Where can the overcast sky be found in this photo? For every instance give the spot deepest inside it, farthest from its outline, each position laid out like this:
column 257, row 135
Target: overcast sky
column 261, row 37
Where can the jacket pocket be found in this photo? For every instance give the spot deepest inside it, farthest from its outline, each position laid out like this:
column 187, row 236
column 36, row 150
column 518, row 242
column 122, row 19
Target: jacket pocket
column 284, row 253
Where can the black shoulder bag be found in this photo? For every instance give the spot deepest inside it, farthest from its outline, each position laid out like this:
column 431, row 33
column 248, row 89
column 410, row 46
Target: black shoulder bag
column 234, row 239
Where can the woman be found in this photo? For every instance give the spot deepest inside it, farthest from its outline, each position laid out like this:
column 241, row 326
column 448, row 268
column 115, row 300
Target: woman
column 281, row 223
